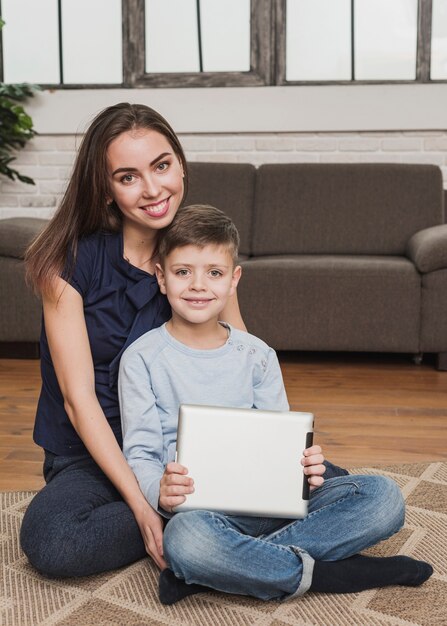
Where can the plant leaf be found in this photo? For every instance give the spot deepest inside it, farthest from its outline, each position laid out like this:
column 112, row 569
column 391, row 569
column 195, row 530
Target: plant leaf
column 16, row 126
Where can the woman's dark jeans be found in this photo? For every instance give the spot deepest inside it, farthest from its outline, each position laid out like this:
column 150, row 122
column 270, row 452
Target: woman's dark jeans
column 79, row 525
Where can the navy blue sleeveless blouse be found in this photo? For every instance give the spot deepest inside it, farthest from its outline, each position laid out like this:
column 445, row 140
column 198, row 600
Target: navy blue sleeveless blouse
column 121, row 302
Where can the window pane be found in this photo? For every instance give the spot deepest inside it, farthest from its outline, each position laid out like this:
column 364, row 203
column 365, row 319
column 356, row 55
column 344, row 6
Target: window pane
column 225, row 35
column 30, row 41
column 171, row 36
column 385, row 39
column 318, row 40
column 439, row 40
column 91, row 41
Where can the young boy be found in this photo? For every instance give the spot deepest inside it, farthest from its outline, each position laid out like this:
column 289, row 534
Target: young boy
column 197, row 359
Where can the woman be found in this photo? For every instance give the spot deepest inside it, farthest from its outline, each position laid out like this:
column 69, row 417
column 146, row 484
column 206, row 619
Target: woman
column 94, row 267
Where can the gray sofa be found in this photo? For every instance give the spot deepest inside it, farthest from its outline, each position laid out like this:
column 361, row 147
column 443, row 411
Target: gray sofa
column 336, row 257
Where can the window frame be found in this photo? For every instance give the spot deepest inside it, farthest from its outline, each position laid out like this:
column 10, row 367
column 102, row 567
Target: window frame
column 134, row 54
column 267, row 54
column 63, row 86
column 133, row 46
column 423, row 52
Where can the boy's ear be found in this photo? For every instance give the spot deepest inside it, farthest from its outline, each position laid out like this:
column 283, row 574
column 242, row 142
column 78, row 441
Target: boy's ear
column 237, row 272
column 160, row 278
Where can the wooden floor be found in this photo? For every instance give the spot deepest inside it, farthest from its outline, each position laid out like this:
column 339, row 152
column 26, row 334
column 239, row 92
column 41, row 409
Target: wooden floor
column 377, row 409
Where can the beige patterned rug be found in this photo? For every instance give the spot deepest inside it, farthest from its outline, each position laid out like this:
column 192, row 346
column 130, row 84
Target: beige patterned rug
column 128, row 597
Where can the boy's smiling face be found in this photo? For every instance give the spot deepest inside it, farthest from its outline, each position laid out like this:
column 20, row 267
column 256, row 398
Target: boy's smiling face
column 198, row 281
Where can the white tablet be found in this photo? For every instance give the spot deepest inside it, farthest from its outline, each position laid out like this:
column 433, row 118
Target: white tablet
column 245, row 461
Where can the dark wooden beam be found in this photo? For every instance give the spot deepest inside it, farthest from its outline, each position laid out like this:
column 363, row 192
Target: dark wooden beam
column 133, row 41
column 279, row 42
column 425, row 11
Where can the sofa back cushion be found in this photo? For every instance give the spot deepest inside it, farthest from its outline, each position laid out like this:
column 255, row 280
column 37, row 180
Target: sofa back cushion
column 229, row 187
column 344, row 208
column 16, row 233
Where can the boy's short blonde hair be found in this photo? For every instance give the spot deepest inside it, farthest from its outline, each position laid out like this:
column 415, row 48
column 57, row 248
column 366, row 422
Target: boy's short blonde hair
column 199, row 225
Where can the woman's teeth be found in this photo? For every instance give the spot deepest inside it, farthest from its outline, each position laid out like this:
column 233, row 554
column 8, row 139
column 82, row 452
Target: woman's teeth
column 156, row 209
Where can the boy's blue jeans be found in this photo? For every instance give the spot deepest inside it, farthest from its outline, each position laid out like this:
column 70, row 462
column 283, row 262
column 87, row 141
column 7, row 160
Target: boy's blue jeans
column 272, row 558
column 79, row 525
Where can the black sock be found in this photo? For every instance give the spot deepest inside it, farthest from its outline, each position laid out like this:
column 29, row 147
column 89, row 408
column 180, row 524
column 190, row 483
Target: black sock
column 359, row 573
column 172, row 589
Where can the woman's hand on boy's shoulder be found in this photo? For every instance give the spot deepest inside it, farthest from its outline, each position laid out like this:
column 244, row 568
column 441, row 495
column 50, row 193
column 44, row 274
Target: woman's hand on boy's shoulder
column 175, row 485
column 314, row 468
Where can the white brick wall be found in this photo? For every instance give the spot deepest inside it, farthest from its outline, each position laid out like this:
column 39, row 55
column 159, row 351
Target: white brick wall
column 48, row 159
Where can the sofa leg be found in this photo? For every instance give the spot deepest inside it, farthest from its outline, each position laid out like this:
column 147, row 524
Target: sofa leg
column 417, row 358
column 442, row 361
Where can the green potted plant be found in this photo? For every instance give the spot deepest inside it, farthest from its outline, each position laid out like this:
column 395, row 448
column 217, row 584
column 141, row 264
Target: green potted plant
column 16, row 126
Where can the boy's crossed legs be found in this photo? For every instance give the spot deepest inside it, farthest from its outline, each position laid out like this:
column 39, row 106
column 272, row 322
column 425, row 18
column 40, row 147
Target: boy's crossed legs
column 281, row 559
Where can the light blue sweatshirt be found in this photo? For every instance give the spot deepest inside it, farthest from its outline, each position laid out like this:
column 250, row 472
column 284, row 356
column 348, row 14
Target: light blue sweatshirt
column 158, row 373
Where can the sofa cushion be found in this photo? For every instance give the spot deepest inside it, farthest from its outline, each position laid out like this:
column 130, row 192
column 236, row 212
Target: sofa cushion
column 16, row 234
column 428, row 249
column 344, row 208
column 21, row 312
column 434, row 318
column 229, row 187
column 335, row 302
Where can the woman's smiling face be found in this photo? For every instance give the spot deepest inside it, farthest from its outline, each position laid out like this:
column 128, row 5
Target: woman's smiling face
column 146, row 178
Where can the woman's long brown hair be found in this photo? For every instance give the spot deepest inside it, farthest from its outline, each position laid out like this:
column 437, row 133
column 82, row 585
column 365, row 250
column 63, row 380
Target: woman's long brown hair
column 84, row 209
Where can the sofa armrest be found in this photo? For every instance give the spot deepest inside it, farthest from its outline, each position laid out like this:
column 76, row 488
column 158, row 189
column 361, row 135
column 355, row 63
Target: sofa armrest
column 428, row 249
column 16, row 234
